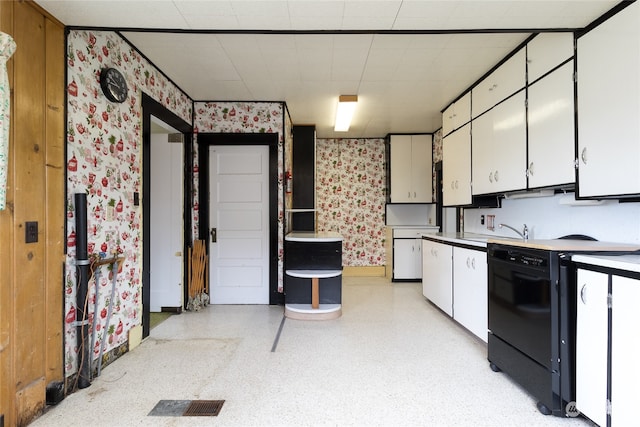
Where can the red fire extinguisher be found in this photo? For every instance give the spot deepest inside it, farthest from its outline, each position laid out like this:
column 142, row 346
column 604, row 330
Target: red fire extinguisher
column 288, row 181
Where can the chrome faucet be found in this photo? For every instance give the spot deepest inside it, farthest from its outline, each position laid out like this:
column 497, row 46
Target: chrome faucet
column 524, row 234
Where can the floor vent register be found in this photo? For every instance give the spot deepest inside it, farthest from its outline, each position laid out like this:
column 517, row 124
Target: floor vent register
column 187, row 408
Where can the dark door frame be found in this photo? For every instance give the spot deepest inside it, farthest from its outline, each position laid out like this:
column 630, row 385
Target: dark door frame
column 206, row 140
column 151, row 107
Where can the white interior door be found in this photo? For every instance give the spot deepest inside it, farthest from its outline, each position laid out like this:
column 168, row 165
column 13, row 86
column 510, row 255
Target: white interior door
column 239, row 213
column 166, row 237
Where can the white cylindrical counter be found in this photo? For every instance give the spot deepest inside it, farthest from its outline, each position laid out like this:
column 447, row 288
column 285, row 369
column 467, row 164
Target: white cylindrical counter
column 313, row 275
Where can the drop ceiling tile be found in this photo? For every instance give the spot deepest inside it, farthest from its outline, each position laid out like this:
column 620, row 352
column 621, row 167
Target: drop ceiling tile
column 267, row 9
column 367, row 8
column 205, row 8
column 418, row 8
column 204, row 22
column 224, row 91
column 316, row 22
column 313, row 8
column 259, row 22
column 240, row 44
column 314, row 41
column 367, row 23
column 277, row 41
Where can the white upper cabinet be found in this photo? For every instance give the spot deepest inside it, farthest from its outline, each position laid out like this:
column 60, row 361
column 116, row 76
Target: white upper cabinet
column 499, row 148
column 457, row 114
column 456, row 167
column 608, row 74
column 411, row 171
column 551, row 144
column 504, row 81
column 546, row 51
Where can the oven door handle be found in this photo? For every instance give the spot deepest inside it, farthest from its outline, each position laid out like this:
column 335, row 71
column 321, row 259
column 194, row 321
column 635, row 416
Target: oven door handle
column 583, row 293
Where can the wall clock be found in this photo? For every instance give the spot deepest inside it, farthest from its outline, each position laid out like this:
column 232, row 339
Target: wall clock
column 113, row 85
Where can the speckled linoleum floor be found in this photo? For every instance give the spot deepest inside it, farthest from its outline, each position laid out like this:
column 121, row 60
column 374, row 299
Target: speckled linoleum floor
column 392, row 359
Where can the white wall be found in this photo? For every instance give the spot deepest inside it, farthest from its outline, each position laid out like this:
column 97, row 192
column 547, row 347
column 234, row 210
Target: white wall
column 166, row 224
column 547, row 218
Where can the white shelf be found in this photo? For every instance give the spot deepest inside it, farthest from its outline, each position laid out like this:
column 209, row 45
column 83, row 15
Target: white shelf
column 310, row 274
column 306, row 312
column 312, row 237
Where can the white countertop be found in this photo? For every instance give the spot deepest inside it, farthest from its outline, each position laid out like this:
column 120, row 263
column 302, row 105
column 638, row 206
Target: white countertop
column 470, row 239
column 567, row 245
column 619, row 262
column 481, row 240
column 419, row 227
column 310, row 236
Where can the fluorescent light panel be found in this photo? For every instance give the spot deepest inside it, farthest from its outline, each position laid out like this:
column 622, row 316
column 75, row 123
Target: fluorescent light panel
column 344, row 114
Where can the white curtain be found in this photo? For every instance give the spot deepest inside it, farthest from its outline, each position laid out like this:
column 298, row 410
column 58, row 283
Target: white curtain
column 7, row 47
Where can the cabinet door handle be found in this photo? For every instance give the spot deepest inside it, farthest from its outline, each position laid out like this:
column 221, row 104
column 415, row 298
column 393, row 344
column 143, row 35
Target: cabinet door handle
column 583, row 293
column 415, row 194
column 583, row 155
column 473, row 263
column 530, row 171
column 490, row 176
column 468, row 263
column 456, row 185
column 409, row 194
column 495, row 176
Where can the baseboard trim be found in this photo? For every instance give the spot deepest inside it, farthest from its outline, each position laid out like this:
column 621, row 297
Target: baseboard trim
column 373, row 271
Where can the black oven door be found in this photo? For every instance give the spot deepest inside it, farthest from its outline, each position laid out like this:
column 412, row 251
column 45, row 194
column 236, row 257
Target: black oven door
column 520, row 302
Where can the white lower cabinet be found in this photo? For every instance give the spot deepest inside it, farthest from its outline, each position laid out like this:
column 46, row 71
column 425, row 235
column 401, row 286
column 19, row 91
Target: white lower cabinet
column 437, row 274
column 455, row 280
column 594, row 334
column 625, row 348
column 591, row 345
column 470, row 290
column 407, row 259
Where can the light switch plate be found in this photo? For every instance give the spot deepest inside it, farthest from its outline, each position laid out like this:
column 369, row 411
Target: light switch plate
column 31, row 232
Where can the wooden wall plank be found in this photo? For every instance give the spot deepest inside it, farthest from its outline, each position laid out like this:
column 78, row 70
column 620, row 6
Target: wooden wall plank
column 7, row 390
column 55, row 198
column 31, row 283
column 29, row 180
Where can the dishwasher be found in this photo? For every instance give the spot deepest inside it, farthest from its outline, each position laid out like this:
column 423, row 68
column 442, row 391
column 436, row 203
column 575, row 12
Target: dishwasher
column 532, row 322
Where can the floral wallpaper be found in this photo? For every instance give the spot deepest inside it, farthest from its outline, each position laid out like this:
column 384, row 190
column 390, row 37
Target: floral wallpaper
column 251, row 117
column 351, row 194
column 437, row 146
column 437, row 157
column 104, row 154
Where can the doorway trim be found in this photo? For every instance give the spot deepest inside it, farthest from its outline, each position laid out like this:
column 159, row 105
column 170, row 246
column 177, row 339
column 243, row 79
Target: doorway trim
column 206, row 140
column 151, row 107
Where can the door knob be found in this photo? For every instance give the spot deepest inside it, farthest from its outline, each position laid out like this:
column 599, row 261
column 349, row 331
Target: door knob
column 214, row 235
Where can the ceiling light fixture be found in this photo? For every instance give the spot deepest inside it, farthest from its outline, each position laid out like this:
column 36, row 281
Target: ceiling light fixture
column 344, row 114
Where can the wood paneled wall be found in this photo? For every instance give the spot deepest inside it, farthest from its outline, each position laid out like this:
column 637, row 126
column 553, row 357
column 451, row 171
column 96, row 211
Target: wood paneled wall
column 31, row 274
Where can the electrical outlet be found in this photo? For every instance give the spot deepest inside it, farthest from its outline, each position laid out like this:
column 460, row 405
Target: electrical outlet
column 31, row 232
column 491, row 219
